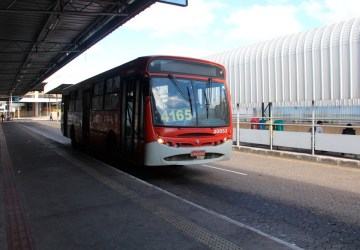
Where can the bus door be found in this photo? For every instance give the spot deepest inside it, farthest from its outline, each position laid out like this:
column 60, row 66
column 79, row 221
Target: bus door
column 86, row 115
column 132, row 120
column 64, row 111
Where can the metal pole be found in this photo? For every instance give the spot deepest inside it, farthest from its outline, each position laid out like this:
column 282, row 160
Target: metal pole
column 10, row 106
column 48, row 106
column 313, row 129
column 57, row 108
column 270, row 126
column 238, row 126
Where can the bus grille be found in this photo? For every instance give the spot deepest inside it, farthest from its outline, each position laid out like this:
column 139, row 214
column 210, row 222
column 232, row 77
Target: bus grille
column 186, row 157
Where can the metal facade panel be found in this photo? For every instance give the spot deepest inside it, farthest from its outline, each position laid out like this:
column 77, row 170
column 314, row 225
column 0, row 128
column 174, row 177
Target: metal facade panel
column 292, row 68
column 237, row 76
column 265, row 71
column 344, row 51
column 300, row 67
column 253, row 85
column 242, row 76
column 271, row 68
column 247, row 82
column 286, row 70
column 259, row 72
column 317, row 65
column 354, row 50
column 279, row 81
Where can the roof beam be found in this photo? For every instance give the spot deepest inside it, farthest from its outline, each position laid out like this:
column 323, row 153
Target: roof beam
column 39, row 51
column 16, row 41
column 70, row 13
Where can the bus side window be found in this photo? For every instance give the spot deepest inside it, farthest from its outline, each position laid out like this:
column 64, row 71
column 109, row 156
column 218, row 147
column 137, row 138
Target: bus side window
column 98, row 97
column 78, row 101
column 72, row 100
column 112, row 97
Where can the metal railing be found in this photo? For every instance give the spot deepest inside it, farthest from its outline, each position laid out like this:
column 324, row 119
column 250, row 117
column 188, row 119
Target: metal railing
column 299, row 134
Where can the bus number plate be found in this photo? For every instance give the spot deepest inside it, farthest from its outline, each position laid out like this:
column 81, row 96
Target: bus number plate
column 199, row 154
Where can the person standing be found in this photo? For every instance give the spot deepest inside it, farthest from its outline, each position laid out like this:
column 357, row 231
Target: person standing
column 318, row 128
column 348, row 130
column 2, row 117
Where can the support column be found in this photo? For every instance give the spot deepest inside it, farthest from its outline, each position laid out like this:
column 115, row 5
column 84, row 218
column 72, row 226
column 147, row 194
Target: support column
column 57, row 108
column 36, row 104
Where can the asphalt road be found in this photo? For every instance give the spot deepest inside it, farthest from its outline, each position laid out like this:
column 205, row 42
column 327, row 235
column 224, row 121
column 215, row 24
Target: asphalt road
column 315, row 206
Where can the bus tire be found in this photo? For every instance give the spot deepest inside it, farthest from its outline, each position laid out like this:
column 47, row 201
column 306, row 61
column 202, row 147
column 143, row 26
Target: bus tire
column 73, row 138
column 112, row 153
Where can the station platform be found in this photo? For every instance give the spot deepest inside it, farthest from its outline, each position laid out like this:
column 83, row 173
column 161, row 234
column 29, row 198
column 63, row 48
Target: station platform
column 54, row 197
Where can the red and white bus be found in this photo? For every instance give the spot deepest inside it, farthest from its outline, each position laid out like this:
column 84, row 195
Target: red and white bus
column 154, row 110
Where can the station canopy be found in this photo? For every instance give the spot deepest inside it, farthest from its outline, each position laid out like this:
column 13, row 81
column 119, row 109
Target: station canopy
column 38, row 37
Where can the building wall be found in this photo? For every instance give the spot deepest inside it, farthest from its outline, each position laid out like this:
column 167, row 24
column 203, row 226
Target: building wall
column 318, row 65
column 38, row 104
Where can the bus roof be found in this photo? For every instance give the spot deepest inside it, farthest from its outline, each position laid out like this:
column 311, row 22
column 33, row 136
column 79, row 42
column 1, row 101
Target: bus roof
column 136, row 66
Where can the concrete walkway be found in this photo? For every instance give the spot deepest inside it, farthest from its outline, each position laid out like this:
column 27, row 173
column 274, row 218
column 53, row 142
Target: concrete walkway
column 58, row 198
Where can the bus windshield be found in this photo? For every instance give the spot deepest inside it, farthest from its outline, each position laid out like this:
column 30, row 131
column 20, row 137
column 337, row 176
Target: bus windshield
column 180, row 102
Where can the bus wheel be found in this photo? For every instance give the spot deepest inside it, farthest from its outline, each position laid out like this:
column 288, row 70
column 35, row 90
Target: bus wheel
column 73, row 138
column 112, row 153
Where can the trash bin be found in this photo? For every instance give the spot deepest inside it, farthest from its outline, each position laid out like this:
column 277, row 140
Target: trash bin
column 256, row 121
column 269, row 125
column 262, row 124
column 278, row 125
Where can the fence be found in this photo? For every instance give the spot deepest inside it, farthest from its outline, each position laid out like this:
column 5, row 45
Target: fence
column 300, row 134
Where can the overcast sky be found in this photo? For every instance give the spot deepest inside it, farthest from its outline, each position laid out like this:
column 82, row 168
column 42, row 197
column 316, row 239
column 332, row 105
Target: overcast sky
column 203, row 28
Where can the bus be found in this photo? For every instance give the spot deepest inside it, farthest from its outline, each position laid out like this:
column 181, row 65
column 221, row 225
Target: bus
column 152, row 111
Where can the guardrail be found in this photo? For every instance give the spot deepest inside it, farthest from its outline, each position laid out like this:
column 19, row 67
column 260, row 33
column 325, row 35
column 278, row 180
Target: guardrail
column 300, row 134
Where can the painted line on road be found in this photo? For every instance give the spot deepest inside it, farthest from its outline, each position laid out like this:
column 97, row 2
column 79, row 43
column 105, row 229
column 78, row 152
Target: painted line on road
column 192, row 229
column 212, row 240
column 221, row 216
column 226, row 170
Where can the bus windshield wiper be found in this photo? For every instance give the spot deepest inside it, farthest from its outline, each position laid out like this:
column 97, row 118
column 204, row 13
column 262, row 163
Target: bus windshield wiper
column 191, row 109
column 207, row 104
column 209, row 87
column 207, row 100
column 177, row 86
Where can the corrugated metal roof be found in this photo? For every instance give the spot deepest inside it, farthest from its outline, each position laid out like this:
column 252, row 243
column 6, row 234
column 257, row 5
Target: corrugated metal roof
column 38, row 37
column 318, row 65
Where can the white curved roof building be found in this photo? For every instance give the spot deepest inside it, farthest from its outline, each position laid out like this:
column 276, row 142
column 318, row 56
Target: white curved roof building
column 321, row 65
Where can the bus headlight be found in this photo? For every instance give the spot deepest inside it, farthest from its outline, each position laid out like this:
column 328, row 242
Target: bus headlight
column 160, row 141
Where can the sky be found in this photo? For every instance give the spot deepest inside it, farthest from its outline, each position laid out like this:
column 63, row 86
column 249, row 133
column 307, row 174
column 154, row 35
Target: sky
column 203, row 28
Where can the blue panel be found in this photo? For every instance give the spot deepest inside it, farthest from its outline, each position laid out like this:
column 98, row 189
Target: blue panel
column 176, row 2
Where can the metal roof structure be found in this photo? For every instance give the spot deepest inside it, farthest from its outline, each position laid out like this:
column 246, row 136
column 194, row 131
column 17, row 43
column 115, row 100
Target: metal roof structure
column 38, row 37
column 319, row 65
column 58, row 89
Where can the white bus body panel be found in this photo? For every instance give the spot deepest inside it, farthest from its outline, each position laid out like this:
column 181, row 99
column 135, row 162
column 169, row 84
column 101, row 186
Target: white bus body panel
column 156, row 153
